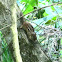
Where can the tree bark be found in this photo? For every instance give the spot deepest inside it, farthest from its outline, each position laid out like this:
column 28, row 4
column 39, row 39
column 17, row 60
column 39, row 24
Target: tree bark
column 15, row 34
column 30, row 52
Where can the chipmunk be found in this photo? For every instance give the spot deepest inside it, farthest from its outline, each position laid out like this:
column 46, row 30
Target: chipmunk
column 29, row 30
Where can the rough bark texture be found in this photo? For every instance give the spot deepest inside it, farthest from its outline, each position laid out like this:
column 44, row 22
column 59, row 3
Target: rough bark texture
column 30, row 52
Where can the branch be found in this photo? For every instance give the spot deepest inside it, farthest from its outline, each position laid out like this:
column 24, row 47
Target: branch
column 41, row 8
column 5, row 27
column 32, row 12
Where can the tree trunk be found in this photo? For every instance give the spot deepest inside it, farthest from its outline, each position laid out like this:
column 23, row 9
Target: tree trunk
column 15, row 33
column 30, row 52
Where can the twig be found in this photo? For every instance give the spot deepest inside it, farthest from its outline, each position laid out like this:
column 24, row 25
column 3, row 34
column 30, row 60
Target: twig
column 34, row 11
column 5, row 27
column 41, row 8
column 29, row 13
column 4, row 24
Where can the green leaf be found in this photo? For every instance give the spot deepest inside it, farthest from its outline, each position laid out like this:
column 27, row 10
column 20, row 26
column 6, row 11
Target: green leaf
column 29, row 8
column 26, row 1
column 29, row 4
column 33, row 2
column 51, row 21
column 48, row 22
column 56, row 25
column 6, row 56
column 54, row 18
column 61, row 27
column 61, row 41
column 45, row 14
column 61, row 53
column 52, row 8
column 48, row 0
column 43, row 3
column 40, row 14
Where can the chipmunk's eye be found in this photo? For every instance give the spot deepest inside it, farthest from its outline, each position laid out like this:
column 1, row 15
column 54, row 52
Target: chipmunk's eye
column 28, row 29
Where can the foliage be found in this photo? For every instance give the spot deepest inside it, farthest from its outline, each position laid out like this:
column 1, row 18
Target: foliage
column 29, row 5
column 45, row 21
column 6, row 56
